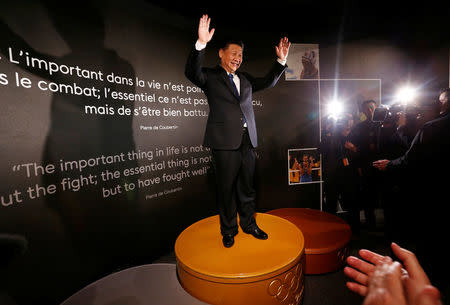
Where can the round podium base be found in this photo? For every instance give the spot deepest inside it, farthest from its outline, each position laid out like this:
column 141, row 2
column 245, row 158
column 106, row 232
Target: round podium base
column 326, row 238
column 146, row 284
column 252, row 271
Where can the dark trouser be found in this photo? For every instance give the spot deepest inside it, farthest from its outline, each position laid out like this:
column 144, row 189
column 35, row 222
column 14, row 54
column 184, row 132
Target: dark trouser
column 342, row 187
column 331, row 195
column 349, row 203
column 234, row 171
column 369, row 194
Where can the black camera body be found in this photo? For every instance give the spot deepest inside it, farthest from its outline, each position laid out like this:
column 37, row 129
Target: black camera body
column 380, row 114
column 388, row 114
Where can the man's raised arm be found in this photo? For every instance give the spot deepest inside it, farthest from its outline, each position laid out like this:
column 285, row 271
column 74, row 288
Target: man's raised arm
column 204, row 34
column 193, row 69
column 271, row 78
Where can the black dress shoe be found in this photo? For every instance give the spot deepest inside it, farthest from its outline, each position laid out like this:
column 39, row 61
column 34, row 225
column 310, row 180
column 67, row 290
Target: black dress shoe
column 228, row 240
column 256, row 232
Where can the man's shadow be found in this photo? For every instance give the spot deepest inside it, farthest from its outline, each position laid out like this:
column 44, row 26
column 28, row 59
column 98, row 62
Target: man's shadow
column 102, row 228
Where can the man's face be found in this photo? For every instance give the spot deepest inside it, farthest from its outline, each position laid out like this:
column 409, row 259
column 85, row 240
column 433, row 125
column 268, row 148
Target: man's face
column 369, row 108
column 231, row 58
column 349, row 124
column 443, row 98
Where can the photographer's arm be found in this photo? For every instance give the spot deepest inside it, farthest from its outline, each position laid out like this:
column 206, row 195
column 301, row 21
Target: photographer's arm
column 413, row 154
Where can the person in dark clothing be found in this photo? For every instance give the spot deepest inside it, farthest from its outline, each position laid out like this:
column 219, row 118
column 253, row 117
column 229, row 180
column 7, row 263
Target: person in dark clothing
column 397, row 132
column 328, row 165
column 364, row 137
column 428, row 158
column 428, row 111
column 406, row 128
column 231, row 127
column 340, row 172
column 396, row 196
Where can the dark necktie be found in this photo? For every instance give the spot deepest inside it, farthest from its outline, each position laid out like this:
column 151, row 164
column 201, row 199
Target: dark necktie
column 231, row 76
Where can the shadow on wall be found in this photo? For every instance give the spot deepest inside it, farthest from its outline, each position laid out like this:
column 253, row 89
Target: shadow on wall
column 103, row 231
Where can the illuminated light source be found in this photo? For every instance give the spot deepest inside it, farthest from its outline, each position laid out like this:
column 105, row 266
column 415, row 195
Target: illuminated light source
column 334, row 108
column 406, row 94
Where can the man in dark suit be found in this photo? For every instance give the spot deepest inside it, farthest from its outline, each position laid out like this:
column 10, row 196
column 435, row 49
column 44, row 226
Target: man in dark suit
column 427, row 164
column 231, row 130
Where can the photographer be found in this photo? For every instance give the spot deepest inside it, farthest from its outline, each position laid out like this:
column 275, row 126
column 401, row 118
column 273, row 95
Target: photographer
column 341, row 176
column 364, row 137
column 398, row 125
column 428, row 159
column 429, row 109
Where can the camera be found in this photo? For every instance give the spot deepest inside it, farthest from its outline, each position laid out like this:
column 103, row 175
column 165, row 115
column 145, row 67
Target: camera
column 380, row 114
column 388, row 115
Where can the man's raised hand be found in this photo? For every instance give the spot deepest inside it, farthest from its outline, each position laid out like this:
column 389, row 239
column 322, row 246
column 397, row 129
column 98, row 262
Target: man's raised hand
column 282, row 49
column 204, row 34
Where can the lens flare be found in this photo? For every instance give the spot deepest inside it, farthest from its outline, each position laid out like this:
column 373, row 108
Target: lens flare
column 334, row 108
column 406, row 94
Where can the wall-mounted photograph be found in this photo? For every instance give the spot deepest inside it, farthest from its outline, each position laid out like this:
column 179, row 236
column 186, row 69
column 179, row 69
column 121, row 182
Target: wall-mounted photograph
column 303, row 62
column 304, row 166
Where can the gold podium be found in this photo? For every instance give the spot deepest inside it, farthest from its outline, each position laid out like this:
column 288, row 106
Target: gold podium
column 252, row 271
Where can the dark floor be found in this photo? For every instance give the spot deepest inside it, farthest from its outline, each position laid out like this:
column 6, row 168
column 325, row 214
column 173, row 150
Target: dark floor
column 330, row 289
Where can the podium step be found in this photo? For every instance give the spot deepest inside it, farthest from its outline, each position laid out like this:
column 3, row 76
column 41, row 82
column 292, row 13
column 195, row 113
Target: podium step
column 326, row 238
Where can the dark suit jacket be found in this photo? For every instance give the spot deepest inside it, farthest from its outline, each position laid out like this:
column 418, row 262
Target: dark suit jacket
column 226, row 110
column 427, row 164
column 431, row 144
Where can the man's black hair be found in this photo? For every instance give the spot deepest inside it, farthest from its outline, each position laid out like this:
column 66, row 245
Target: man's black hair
column 367, row 102
column 226, row 43
column 446, row 91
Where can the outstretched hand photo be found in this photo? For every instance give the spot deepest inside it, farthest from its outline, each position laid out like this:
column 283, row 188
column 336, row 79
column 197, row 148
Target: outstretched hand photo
column 310, row 70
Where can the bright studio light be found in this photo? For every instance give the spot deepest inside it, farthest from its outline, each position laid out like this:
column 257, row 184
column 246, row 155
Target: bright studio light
column 334, row 108
column 406, row 94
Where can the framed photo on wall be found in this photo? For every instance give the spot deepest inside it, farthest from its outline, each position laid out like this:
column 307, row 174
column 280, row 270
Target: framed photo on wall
column 304, row 166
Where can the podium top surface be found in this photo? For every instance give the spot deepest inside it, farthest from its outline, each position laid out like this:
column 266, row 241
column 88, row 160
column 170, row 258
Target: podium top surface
column 199, row 249
column 323, row 232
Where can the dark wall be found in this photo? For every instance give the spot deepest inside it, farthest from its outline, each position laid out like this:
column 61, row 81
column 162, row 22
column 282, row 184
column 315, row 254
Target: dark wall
column 67, row 156
column 84, row 223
